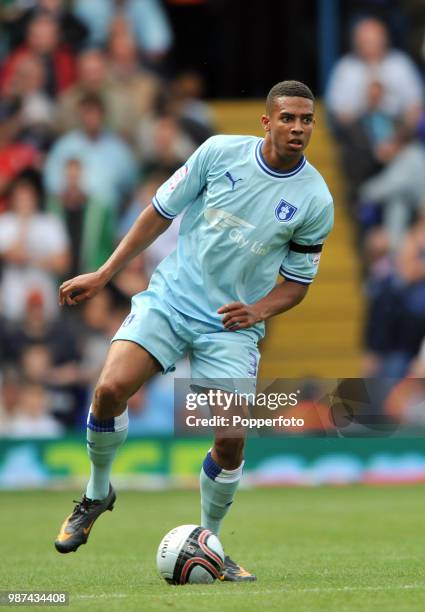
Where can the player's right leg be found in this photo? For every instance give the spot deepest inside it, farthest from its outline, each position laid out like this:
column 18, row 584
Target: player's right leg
column 128, row 366
column 216, row 358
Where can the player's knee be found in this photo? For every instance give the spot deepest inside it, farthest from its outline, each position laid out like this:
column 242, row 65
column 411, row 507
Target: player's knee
column 107, row 396
column 229, row 452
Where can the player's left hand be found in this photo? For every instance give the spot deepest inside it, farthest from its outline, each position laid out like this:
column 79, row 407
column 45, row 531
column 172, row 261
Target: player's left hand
column 239, row 316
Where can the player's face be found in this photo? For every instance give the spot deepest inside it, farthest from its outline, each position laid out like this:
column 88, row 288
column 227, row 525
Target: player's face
column 289, row 125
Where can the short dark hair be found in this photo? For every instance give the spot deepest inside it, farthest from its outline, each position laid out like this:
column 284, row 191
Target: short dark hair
column 294, row 89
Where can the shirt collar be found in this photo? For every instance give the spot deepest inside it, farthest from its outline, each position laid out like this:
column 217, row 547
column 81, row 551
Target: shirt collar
column 272, row 171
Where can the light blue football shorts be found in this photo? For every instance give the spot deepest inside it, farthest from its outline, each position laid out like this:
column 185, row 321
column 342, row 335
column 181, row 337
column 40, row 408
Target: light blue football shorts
column 169, row 335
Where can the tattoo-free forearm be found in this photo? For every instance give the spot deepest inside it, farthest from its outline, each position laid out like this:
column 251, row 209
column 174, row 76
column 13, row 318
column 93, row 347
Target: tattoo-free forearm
column 281, row 298
column 238, row 315
column 144, row 231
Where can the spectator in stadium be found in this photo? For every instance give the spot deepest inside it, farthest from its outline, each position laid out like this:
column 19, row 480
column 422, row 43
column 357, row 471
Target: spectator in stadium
column 91, row 79
column 411, row 271
column 33, row 251
column 73, row 31
column 369, row 89
column 384, row 307
column 372, row 59
column 400, row 187
column 36, row 363
column 35, row 328
column 48, row 353
column 10, row 390
column 90, row 221
column 32, row 416
column 138, row 87
column 396, row 314
column 16, row 157
column 3, row 341
column 95, row 77
column 185, row 102
column 109, row 168
column 411, row 256
column 37, row 109
column 43, row 41
column 147, row 20
column 163, row 144
column 377, row 125
column 367, row 141
column 66, row 382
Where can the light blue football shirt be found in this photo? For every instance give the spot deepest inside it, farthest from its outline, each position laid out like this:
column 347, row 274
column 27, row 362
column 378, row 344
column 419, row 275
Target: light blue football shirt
column 240, row 217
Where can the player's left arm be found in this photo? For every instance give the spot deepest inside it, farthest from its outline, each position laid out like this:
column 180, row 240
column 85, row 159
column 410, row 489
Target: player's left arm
column 280, row 299
column 298, row 269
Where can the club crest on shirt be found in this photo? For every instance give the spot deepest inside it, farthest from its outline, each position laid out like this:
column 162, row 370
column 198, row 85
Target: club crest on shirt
column 285, row 212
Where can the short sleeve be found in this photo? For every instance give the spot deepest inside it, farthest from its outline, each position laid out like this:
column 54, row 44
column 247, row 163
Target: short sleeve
column 302, row 260
column 184, row 186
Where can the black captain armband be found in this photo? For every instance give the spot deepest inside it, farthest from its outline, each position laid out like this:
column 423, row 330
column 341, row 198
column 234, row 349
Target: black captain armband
column 305, row 248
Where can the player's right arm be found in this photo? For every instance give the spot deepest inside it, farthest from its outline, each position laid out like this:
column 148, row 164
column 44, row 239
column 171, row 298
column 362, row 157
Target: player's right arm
column 171, row 199
column 149, row 225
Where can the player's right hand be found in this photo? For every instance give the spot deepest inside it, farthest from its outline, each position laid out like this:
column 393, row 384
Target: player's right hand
column 80, row 288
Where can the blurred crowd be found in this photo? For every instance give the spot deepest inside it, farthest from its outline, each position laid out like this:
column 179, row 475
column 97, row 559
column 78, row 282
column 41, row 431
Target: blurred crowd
column 91, row 123
column 375, row 101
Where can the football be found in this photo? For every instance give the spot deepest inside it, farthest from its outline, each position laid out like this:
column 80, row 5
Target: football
column 190, row 554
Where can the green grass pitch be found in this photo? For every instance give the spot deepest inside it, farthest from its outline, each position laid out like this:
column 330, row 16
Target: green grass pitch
column 348, row 548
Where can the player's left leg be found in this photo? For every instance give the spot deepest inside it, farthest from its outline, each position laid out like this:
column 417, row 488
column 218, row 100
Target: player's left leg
column 219, row 480
column 220, row 476
column 227, row 359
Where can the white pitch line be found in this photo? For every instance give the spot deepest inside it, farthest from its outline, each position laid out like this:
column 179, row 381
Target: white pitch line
column 101, row 596
column 359, row 588
column 227, row 593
